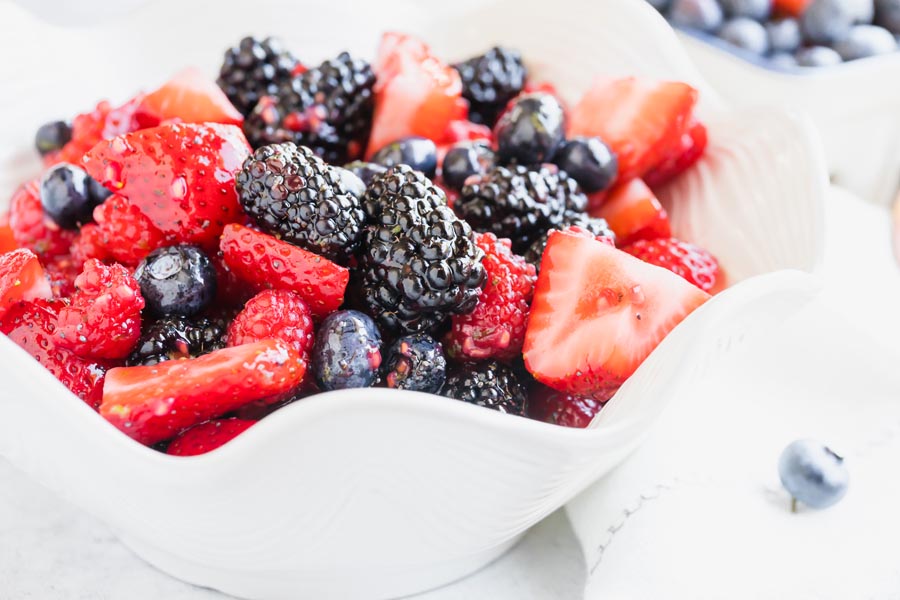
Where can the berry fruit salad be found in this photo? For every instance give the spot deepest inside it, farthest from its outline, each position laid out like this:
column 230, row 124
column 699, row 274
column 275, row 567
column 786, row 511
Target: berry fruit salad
column 206, row 253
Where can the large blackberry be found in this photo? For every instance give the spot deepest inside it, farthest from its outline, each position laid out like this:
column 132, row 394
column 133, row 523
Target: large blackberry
column 490, row 384
column 253, row 69
column 293, row 195
column 595, row 225
column 328, row 109
column 519, row 203
column 177, row 337
column 490, row 81
column 419, row 262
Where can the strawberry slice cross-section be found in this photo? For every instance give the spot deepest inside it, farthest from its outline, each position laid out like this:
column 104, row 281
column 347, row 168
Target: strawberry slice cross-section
column 21, row 279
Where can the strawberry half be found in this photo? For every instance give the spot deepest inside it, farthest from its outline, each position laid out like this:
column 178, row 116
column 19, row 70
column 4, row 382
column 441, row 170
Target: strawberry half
column 266, row 262
column 21, row 279
column 641, row 120
column 598, row 313
column 155, row 403
column 415, row 93
column 633, row 212
column 7, row 240
column 690, row 148
column 180, row 176
column 189, row 97
column 208, row 436
column 682, row 258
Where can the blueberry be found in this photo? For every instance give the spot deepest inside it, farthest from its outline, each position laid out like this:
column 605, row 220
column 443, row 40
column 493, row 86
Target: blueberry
column 828, row 21
column 758, row 10
column 818, row 56
column 354, row 184
column 813, row 474
column 66, row 196
column 783, row 60
column 590, row 162
column 418, row 152
column 531, row 129
column 784, row 35
column 52, row 136
column 347, row 351
column 416, row 362
column 703, row 15
column 887, row 15
column 366, row 171
column 864, row 41
column 746, row 34
column 465, row 159
column 176, row 280
column 98, row 193
column 660, row 5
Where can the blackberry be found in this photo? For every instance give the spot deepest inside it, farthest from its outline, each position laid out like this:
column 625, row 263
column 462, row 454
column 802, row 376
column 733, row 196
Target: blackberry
column 177, row 337
column 416, row 362
column 289, row 192
column 328, row 109
column 254, row 69
column 419, row 262
column 595, row 225
column 490, row 81
column 490, row 384
column 519, row 203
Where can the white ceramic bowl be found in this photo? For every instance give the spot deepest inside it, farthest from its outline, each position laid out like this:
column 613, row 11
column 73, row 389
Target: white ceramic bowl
column 855, row 106
column 375, row 493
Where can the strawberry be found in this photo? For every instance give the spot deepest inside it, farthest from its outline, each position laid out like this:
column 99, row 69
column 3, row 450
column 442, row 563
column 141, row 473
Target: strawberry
column 155, row 403
column 633, row 212
column 687, row 260
column 103, row 319
column 21, row 279
column 277, row 314
column 266, row 262
column 190, row 97
column 415, row 93
column 691, row 147
column 180, row 176
column 7, row 240
column 103, row 123
column 123, row 233
column 31, row 228
column 792, row 8
column 598, row 313
column 208, row 436
column 641, row 120
column 569, row 410
column 32, row 326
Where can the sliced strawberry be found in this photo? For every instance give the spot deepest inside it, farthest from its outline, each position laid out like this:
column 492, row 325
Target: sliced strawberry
column 7, row 240
column 690, row 149
column 208, row 436
column 103, row 123
column 682, row 258
column 266, row 262
column 32, row 326
column 31, row 228
column 415, row 93
column 552, row 406
column 640, row 120
column 598, row 313
column 190, row 97
column 155, row 403
column 633, row 212
column 180, row 176
column 21, row 278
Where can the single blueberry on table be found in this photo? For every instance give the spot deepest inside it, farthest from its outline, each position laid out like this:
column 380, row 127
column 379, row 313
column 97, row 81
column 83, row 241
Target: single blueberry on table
column 347, row 351
column 465, row 159
column 52, row 136
column 531, row 130
column 864, row 41
column 818, row 56
column 813, row 474
column 590, row 162
column 758, row 10
column 176, row 280
column 66, row 196
column 702, row 15
column 418, row 152
column 784, row 35
column 746, row 34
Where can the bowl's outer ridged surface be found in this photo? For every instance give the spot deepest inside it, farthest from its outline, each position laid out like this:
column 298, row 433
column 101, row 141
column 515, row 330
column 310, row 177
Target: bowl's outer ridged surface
column 376, row 493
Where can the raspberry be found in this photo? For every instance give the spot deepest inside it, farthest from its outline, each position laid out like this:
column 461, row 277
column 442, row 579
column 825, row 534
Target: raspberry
column 31, row 228
column 496, row 328
column 104, row 317
column 62, row 271
column 32, row 325
column 102, row 123
column 123, row 233
column 691, row 262
column 274, row 314
column 569, row 410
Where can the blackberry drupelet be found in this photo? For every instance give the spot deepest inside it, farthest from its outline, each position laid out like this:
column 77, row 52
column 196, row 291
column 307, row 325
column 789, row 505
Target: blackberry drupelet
column 490, row 384
column 289, row 192
column 328, row 109
column 416, row 362
column 419, row 263
column 253, row 69
column 595, row 225
column 519, row 203
column 177, row 337
column 490, row 81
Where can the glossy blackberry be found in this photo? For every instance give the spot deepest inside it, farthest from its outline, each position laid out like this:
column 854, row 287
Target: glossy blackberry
column 597, row 226
column 252, row 69
column 177, row 337
column 490, row 384
column 519, row 203
column 490, row 81
column 416, row 362
column 177, row 280
column 328, row 109
column 289, row 192
column 347, row 351
column 419, row 263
